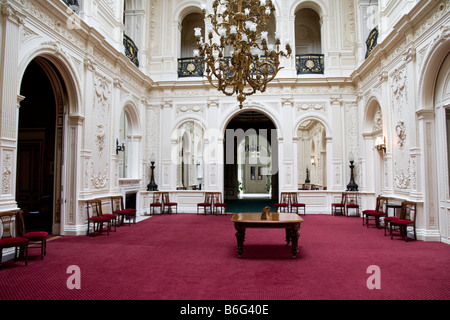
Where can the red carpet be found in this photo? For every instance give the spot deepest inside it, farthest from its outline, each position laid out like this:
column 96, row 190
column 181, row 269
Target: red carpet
column 193, row 257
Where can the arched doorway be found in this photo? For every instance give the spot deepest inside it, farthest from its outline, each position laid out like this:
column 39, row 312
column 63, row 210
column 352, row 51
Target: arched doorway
column 251, row 157
column 40, row 146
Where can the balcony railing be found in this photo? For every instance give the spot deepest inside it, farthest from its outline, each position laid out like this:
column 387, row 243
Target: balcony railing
column 188, row 67
column 310, row 63
column 73, row 5
column 131, row 50
column 372, row 41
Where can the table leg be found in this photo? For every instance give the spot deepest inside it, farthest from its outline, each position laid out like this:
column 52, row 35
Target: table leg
column 294, row 237
column 288, row 237
column 240, row 237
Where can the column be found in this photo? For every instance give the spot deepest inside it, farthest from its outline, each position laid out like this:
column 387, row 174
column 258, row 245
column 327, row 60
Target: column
column 10, row 25
column 339, row 180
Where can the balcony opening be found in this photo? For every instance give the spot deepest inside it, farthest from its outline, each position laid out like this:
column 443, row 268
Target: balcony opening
column 308, row 42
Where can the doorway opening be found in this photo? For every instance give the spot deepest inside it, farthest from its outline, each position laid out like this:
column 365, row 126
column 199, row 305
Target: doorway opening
column 39, row 149
column 251, row 158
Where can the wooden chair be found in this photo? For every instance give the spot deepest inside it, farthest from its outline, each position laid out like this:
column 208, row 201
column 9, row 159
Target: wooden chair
column 36, row 238
column 9, row 240
column 379, row 212
column 156, row 203
column 351, row 202
column 219, row 204
column 338, row 208
column 119, row 210
column 295, row 204
column 407, row 219
column 168, row 204
column 284, row 202
column 387, row 219
column 96, row 218
column 207, row 203
column 113, row 218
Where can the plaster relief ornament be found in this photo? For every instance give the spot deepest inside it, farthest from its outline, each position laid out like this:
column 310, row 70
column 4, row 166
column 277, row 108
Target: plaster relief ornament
column 100, row 139
column 401, row 133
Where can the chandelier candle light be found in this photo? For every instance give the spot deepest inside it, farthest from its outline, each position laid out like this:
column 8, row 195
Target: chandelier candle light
column 242, row 62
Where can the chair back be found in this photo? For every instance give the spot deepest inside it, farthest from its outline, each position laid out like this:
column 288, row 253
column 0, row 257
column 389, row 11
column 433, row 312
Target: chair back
column 7, row 220
column 409, row 210
column 351, row 198
column 343, row 198
column 293, row 198
column 210, row 197
column 156, row 197
column 216, row 197
column 382, row 203
column 117, row 203
column 284, row 197
column 166, row 197
column 94, row 208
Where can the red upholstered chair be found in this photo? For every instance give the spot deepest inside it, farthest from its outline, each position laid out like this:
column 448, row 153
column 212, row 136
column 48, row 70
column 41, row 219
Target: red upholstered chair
column 9, row 240
column 36, row 238
column 284, row 202
column 113, row 218
column 379, row 212
column 156, row 203
column 96, row 218
column 219, row 204
column 207, row 203
column 387, row 219
column 295, row 204
column 168, row 204
column 351, row 202
column 117, row 208
column 407, row 219
column 338, row 208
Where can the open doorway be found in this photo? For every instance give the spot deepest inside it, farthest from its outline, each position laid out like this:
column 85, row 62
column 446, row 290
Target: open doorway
column 251, row 157
column 39, row 150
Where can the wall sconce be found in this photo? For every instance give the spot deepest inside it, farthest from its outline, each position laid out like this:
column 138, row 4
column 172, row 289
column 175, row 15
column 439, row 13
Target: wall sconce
column 119, row 148
column 380, row 144
column 313, row 160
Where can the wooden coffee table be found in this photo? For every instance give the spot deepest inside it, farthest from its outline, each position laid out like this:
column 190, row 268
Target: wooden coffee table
column 288, row 221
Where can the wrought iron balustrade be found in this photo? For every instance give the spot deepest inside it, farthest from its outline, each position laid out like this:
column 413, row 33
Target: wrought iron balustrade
column 189, row 67
column 310, row 63
column 372, row 41
column 73, row 5
column 131, row 50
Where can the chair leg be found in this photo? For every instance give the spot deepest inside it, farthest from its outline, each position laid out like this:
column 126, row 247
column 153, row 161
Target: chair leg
column 26, row 255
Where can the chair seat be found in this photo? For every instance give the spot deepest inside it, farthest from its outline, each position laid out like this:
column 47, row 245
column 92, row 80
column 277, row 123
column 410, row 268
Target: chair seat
column 373, row 213
column 281, row 204
column 109, row 215
column 337, row 204
column 220, row 204
column 298, row 204
column 353, row 205
column 170, row 203
column 390, row 218
column 35, row 235
column 13, row 241
column 401, row 222
column 131, row 210
column 156, row 204
column 98, row 219
column 121, row 212
column 204, row 204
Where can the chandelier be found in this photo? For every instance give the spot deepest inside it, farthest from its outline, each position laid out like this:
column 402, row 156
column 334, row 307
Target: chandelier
column 238, row 59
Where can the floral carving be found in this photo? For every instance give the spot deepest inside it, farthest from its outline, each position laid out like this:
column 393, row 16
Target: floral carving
column 100, row 139
column 401, row 133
